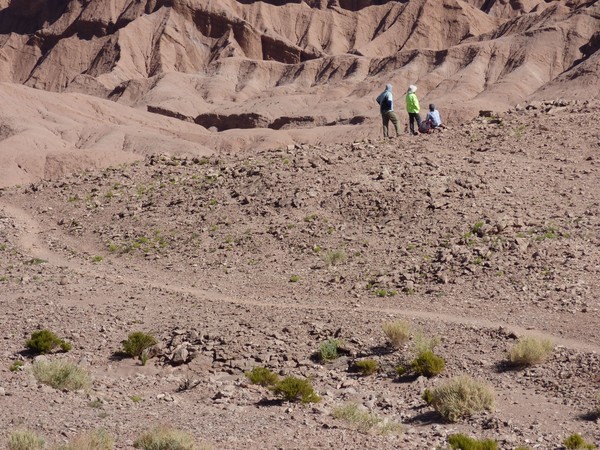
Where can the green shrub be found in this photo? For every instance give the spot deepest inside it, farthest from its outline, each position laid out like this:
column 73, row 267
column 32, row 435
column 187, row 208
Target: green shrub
column 262, row 376
column 16, row 366
column 364, row 420
column 294, row 278
column 165, row 438
column 292, row 389
column 65, row 346
column 44, row 341
column 427, row 396
column 576, row 442
column 529, row 351
column 24, row 440
column 366, row 366
column 63, row 375
column 328, row 350
column 478, row 229
column 94, row 440
column 380, row 292
column 463, row 442
column 137, row 342
column 397, row 332
column 461, row 397
column 428, row 364
column 401, row 370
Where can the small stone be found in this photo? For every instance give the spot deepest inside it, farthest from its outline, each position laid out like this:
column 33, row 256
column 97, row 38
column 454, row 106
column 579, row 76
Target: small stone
column 320, row 409
column 349, row 383
column 180, row 355
column 421, row 380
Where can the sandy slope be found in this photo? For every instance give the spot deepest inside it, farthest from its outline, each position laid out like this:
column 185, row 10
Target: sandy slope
column 45, row 135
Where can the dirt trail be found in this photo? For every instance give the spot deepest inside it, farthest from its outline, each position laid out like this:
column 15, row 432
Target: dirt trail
column 29, row 240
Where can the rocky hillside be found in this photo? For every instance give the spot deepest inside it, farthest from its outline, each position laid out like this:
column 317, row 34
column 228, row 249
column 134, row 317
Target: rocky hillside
column 479, row 235
column 197, row 60
column 257, row 75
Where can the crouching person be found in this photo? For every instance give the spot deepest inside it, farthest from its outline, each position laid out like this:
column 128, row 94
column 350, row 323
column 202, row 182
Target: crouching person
column 434, row 118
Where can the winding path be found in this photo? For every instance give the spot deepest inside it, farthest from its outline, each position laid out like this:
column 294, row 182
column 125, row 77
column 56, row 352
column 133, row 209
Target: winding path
column 31, row 242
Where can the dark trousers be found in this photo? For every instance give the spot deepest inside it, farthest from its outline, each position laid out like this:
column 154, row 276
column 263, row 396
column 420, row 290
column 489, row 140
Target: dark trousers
column 411, row 121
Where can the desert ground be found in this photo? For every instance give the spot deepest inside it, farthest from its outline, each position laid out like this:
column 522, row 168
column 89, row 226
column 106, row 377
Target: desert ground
column 220, row 238
column 205, row 173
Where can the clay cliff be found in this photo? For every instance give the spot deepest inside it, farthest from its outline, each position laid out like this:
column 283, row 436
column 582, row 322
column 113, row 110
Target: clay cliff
column 278, row 68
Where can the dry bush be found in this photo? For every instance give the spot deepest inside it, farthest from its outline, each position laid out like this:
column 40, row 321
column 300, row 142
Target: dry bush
column 94, row 440
column 397, row 332
column 165, row 438
column 24, row 440
column 462, row 397
column 529, row 351
column 61, row 375
column 422, row 343
column 335, row 257
column 364, row 420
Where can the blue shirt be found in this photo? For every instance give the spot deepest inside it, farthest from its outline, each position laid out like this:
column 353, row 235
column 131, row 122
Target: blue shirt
column 435, row 117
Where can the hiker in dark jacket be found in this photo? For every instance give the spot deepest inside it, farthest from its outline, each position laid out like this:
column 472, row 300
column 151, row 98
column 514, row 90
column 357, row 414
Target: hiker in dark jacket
column 386, row 107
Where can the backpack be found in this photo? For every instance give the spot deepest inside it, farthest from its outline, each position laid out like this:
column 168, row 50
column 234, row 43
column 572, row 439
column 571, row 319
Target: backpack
column 425, row 127
column 385, row 105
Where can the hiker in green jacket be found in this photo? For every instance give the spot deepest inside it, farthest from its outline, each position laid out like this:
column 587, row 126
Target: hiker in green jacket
column 412, row 106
